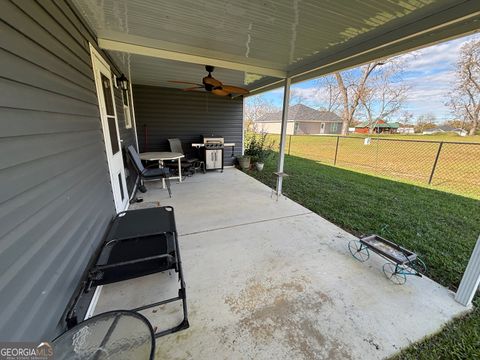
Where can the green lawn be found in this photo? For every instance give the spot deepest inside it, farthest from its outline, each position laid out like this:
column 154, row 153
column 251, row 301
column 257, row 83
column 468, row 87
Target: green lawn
column 435, row 137
column 441, row 227
column 457, row 169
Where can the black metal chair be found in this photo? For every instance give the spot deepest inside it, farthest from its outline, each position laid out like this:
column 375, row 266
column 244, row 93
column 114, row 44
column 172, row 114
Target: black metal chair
column 148, row 173
column 189, row 163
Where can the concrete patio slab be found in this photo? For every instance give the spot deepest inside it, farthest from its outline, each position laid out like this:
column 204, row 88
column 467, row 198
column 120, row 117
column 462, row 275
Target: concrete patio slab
column 272, row 280
column 215, row 200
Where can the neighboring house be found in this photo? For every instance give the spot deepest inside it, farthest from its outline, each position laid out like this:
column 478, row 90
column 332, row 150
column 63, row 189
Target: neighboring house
column 381, row 127
column 445, row 129
column 405, row 129
column 302, row 120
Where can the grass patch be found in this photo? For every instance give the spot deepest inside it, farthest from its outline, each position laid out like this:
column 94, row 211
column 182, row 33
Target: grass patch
column 441, row 228
column 457, row 169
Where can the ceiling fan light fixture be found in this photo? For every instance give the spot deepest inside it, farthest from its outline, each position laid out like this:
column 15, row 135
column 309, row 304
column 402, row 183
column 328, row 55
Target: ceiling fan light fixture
column 210, row 84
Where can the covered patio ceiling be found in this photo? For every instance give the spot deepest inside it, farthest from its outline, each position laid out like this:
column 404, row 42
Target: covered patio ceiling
column 255, row 44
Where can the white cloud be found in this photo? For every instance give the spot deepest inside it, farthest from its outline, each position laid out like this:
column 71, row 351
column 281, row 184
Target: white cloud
column 430, row 73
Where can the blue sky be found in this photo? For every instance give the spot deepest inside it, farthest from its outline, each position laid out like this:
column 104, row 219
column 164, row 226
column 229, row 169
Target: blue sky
column 429, row 74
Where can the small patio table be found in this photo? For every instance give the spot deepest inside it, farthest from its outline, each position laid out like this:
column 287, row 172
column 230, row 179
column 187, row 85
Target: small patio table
column 162, row 156
column 119, row 334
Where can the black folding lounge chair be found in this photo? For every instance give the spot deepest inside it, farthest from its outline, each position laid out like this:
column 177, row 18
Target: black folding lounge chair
column 140, row 242
column 148, row 173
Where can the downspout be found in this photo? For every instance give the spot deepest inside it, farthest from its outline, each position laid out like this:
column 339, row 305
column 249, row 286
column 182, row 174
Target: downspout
column 283, row 134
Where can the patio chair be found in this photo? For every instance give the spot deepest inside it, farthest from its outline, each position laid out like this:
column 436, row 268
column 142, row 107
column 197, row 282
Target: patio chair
column 148, row 173
column 191, row 163
column 138, row 243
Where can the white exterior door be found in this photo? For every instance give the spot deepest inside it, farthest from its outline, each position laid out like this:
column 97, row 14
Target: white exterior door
column 108, row 115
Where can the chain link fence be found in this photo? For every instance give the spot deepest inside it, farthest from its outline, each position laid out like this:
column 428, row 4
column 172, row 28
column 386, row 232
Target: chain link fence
column 448, row 166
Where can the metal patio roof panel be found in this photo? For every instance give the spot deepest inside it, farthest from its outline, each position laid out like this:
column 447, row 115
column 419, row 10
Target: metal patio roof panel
column 145, row 70
column 293, row 36
column 278, row 31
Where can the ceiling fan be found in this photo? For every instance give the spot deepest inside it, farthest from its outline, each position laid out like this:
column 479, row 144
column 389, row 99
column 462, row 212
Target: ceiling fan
column 210, row 84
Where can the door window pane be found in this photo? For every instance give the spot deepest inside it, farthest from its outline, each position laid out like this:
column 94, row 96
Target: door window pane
column 112, row 129
column 107, row 95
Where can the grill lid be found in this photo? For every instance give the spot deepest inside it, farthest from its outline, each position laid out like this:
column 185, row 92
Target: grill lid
column 213, row 139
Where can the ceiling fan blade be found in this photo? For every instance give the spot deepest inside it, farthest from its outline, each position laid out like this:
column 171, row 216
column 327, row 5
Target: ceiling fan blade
column 184, row 82
column 235, row 89
column 196, row 88
column 220, row 92
column 211, row 81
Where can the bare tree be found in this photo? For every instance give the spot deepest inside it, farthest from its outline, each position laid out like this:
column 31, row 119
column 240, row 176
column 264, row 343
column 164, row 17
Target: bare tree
column 465, row 97
column 384, row 94
column 297, row 96
column 425, row 122
column 328, row 92
column 351, row 85
column 254, row 108
column 406, row 117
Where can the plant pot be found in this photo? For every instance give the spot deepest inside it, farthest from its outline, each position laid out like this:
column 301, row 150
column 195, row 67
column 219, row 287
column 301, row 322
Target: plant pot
column 259, row 166
column 244, row 162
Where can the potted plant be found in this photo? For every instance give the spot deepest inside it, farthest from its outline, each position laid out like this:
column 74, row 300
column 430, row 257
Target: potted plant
column 258, row 148
column 262, row 156
column 244, row 162
column 259, row 165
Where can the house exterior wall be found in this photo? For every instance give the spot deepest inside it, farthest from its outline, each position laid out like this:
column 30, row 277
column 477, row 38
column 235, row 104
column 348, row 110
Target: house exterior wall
column 333, row 128
column 275, row 127
column 363, row 130
column 314, row 128
column 305, row 128
column 163, row 113
column 300, row 127
column 406, row 130
column 55, row 193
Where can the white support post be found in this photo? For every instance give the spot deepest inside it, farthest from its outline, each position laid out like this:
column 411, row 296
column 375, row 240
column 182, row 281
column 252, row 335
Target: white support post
column 283, row 134
column 471, row 278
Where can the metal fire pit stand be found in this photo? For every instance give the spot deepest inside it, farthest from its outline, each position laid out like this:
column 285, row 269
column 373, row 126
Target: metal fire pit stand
column 401, row 262
column 139, row 242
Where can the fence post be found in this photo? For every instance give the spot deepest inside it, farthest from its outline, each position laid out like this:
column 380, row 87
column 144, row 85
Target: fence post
column 289, row 143
column 435, row 163
column 336, row 152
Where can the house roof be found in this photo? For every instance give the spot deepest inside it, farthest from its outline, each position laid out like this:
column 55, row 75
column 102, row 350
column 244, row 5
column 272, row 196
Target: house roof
column 300, row 112
column 405, row 125
column 380, row 124
column 258, row 43
column 445, row 128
